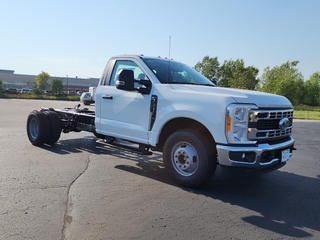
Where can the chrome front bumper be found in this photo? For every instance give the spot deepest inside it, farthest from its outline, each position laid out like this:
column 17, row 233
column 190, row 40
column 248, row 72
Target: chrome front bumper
column 258, row 156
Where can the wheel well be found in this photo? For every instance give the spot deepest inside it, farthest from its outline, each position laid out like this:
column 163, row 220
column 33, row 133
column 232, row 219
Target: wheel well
column 182, row 123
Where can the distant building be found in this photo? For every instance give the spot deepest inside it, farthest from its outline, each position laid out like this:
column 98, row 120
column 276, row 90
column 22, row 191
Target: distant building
column 20, row 81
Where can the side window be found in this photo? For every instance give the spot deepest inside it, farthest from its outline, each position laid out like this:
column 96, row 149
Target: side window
column 121, row 64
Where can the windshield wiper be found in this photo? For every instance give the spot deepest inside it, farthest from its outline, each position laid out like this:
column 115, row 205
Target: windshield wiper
column 201, row 84
column 188, row 83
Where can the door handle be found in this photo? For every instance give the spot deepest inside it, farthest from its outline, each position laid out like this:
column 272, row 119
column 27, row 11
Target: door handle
column 107, row 97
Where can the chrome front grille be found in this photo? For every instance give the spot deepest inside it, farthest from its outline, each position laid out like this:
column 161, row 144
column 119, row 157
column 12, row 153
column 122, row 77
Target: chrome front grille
column 264, row 124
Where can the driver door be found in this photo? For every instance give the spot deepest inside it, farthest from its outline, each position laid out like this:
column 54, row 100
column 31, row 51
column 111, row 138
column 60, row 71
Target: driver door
column 120, row 113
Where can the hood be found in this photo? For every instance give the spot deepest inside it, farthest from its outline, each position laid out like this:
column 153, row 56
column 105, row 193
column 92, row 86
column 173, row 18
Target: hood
column 261, row 99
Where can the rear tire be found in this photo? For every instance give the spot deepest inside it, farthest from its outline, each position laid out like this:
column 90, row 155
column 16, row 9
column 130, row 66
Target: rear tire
column 37, row 128
column 189, row 157
column 55, row 127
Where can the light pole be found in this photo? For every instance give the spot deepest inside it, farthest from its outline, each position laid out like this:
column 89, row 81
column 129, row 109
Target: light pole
column 67, row 84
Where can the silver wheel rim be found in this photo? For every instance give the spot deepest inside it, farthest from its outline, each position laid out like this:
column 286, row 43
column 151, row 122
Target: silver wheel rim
column 33, row 128
column 185, row 159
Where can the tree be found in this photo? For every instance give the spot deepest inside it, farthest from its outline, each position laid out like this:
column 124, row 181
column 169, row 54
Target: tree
column 231, row 74
column 56, row 86
column 42, row 80
column 235, row 75
column 312, row 90
column 284, row 80
column 0, row 84
column 209, row 67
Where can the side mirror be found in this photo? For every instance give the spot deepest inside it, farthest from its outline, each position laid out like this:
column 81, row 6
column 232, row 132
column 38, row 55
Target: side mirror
column 125, row 80
column 145, row 86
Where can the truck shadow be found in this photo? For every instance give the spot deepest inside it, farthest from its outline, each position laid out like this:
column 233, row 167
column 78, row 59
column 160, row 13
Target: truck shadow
column 285, row 203
column 89, row 144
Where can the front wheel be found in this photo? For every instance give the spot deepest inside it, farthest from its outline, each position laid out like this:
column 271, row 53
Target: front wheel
column 189, row 157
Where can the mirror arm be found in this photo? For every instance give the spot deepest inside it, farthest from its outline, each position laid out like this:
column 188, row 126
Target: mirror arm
column 143, row 82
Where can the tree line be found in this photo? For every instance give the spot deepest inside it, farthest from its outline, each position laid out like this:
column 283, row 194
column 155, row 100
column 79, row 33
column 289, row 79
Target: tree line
column 42, row 80
column 285, row 80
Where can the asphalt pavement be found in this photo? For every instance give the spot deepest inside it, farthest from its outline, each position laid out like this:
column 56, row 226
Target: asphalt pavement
column 80, row 189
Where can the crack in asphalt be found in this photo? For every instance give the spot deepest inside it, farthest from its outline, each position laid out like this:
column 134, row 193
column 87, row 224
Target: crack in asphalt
column 66, row 231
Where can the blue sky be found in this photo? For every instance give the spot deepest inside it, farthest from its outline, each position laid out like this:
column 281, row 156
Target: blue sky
column 77, row 37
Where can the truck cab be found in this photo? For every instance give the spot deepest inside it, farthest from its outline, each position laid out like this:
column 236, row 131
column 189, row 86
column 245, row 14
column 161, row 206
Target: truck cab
column 242, row 126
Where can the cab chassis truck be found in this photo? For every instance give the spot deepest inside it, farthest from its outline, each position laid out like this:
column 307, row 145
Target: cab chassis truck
column 146, row 104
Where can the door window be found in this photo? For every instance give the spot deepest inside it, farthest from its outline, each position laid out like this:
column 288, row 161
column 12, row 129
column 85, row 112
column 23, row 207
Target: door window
column 128, row 65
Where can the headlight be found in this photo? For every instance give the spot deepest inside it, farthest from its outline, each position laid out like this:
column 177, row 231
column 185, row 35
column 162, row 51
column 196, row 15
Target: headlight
column 237, row 118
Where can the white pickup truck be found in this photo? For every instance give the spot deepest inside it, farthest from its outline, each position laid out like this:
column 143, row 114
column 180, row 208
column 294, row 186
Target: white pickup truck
column 145, row 104
column 88, row 97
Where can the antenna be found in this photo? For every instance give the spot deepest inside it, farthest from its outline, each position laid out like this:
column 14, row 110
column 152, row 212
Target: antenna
column 168, row 78
column 169, row 46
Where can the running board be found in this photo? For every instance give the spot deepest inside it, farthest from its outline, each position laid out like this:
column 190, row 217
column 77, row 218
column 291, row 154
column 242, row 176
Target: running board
column 115, row 144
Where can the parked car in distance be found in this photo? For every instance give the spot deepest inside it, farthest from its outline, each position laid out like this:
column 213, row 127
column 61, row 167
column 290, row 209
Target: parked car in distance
column 25, row 90
column 11, row 90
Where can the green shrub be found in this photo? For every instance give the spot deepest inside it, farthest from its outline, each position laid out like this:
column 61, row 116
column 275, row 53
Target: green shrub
column 36, row 91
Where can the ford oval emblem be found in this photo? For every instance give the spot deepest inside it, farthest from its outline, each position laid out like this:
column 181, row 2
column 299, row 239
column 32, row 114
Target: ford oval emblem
column 284, row 123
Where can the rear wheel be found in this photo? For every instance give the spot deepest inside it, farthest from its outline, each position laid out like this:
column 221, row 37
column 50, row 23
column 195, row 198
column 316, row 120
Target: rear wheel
column 189, row 157
column 37, row 128
column 55, row 127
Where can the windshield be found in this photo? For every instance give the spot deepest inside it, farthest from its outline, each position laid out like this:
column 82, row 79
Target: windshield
column 175, row 73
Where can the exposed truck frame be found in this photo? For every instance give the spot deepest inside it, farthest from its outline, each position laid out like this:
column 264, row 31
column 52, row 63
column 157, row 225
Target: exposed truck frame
column 45, row 126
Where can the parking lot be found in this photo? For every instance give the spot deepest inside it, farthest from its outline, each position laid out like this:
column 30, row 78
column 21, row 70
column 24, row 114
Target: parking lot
column 80, row 189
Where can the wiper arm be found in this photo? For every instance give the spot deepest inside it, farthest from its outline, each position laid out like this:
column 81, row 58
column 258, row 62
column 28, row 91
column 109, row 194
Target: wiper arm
column 188, row 83
column 201, row 84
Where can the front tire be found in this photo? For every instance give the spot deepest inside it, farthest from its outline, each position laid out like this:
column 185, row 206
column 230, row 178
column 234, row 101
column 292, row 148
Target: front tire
column 189, row 157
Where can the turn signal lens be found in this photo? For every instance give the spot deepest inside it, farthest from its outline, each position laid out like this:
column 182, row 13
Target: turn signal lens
column 228, row 123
